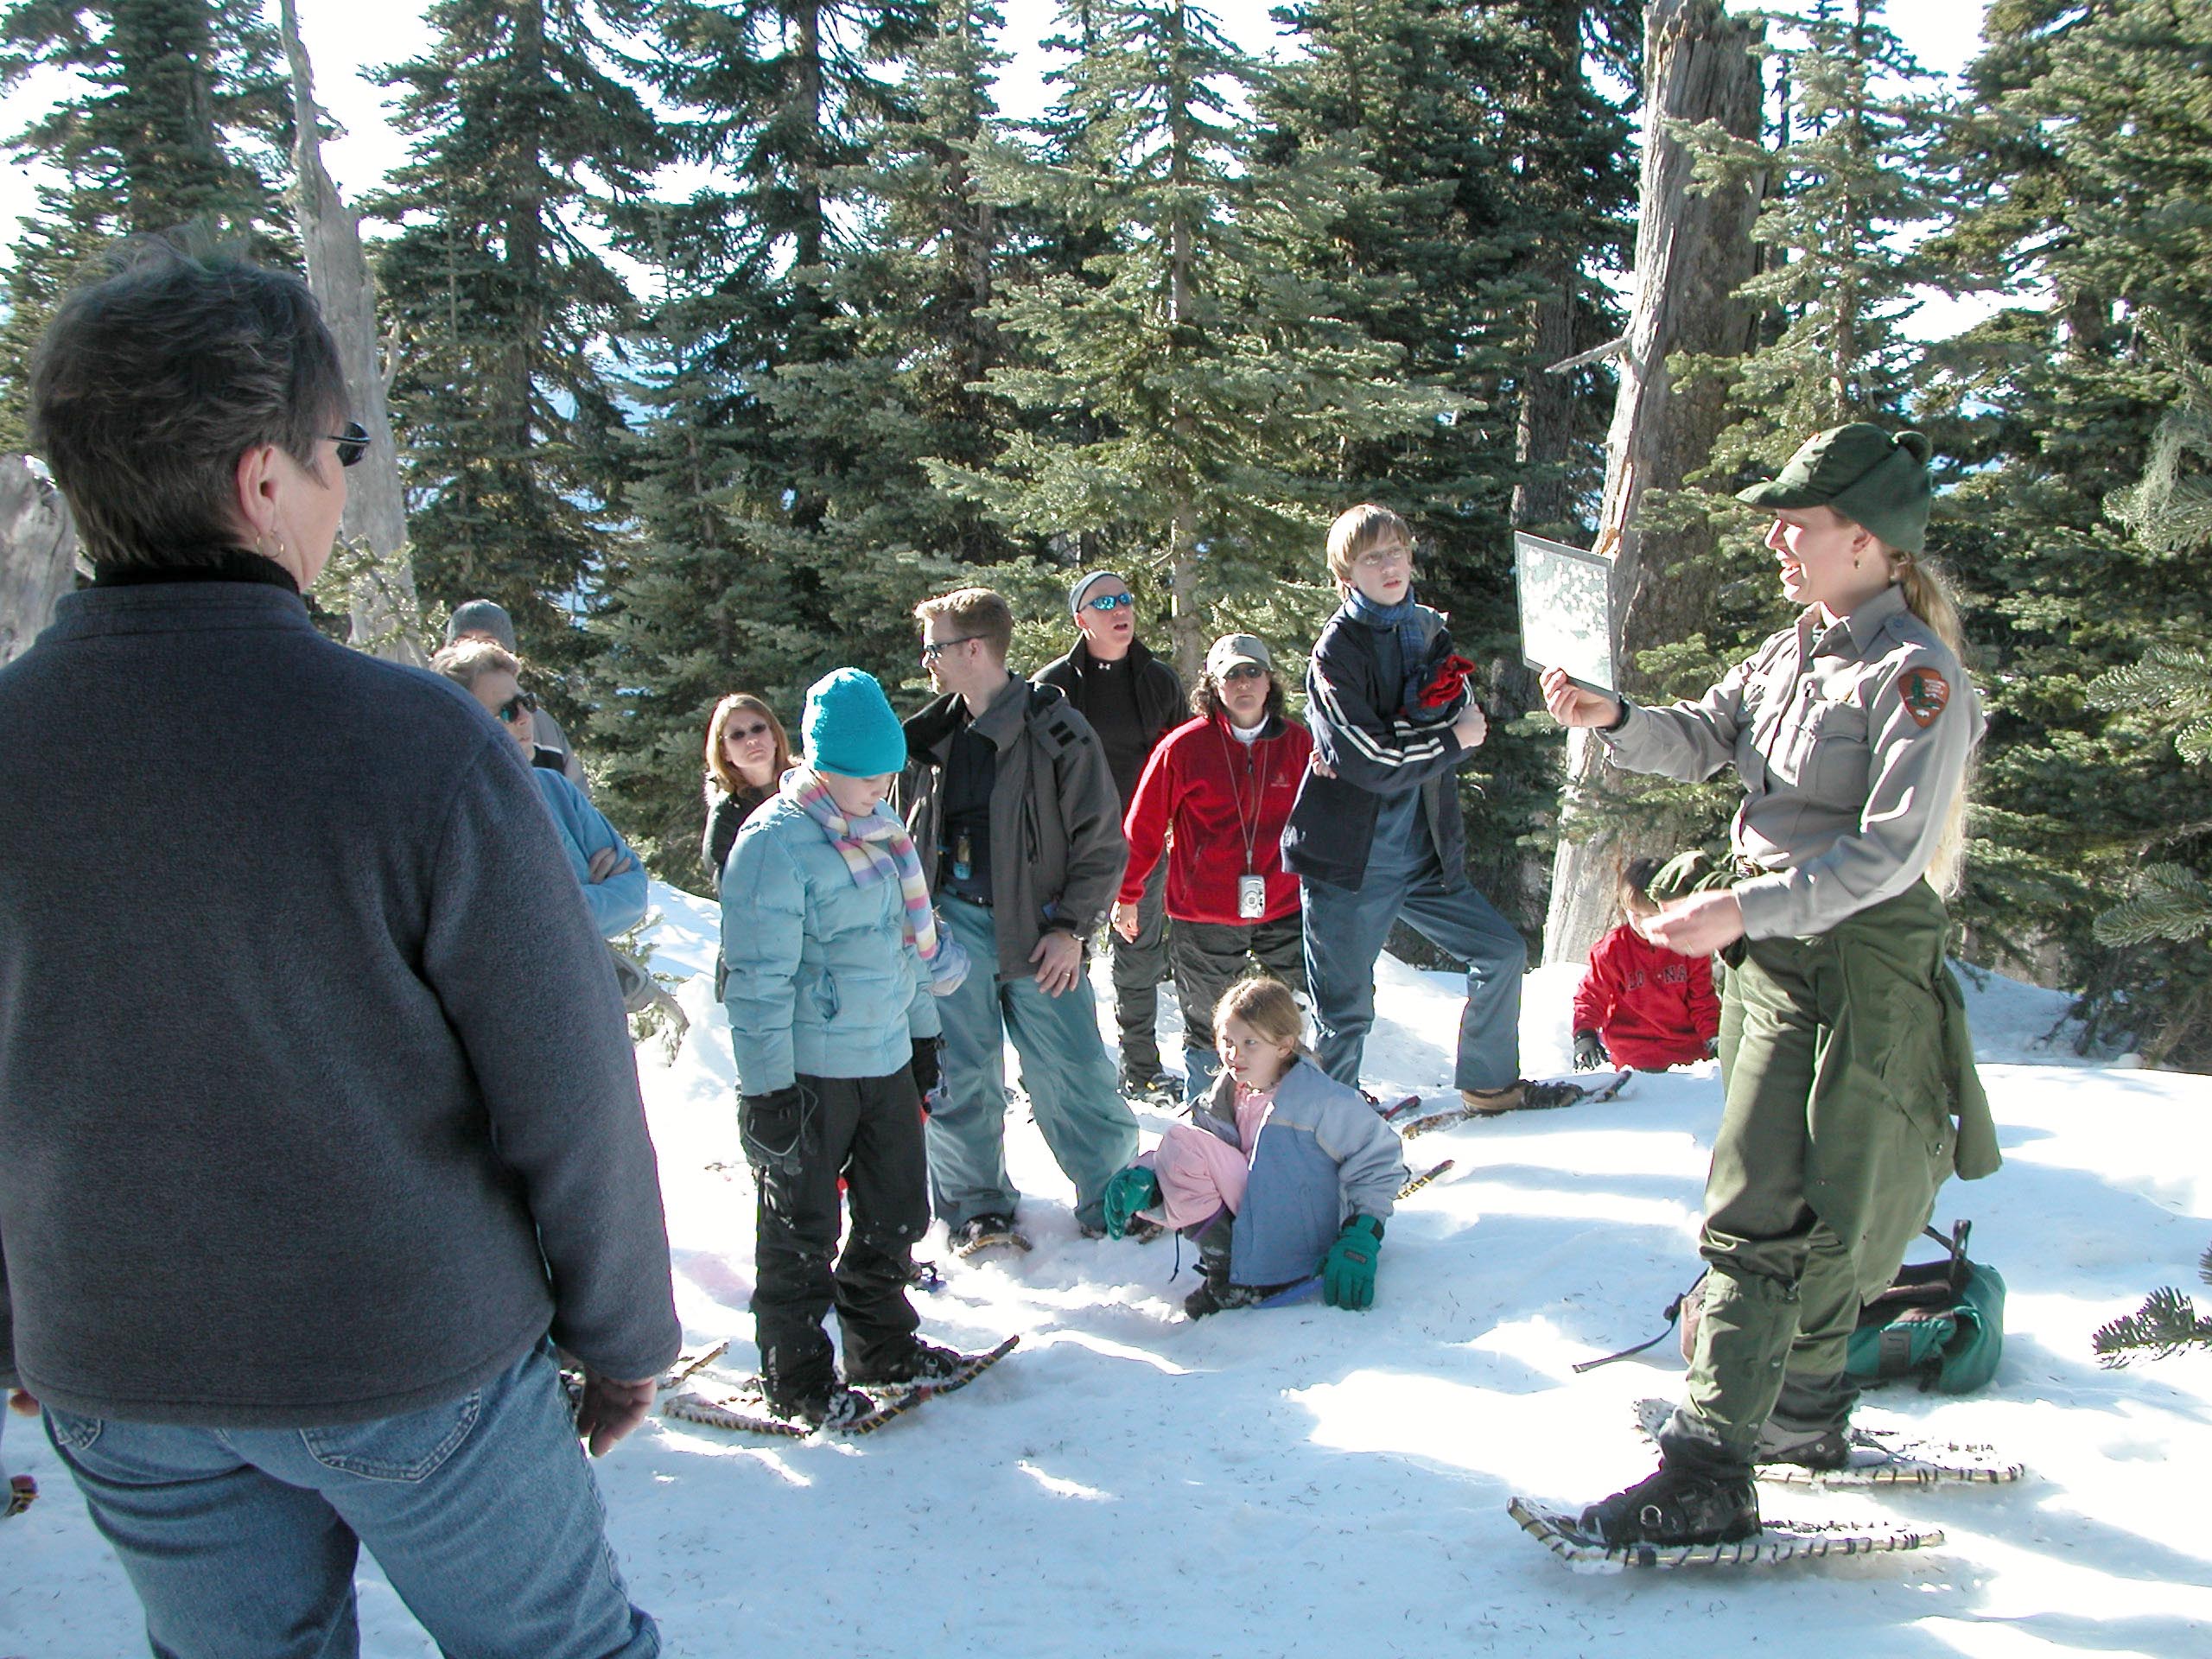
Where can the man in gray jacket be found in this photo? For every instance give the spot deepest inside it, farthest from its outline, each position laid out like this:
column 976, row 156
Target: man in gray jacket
column 1009, row 797
column 296, row 1191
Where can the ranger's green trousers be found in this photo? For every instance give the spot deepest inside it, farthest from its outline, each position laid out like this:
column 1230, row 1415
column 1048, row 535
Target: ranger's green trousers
column 1841, row 1055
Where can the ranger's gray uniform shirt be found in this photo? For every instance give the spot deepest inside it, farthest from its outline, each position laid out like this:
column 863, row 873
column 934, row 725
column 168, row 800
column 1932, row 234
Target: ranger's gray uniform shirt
column 1852, row 741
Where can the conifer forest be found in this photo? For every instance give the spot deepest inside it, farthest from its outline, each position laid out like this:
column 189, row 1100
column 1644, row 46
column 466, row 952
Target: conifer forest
column 716, row 334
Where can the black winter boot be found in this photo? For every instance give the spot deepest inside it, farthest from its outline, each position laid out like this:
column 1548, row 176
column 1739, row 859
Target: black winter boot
column 1677, row 1505
column 919, row 1362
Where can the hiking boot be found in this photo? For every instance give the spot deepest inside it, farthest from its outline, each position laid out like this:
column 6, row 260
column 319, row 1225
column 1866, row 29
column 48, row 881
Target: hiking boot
column 1219, row 1297
column 1156, row 1084
column 922, row 1361
column 977, row 1229
column 1677, row 1506
column 837, row 1408
column 1523, row 1095
column 1826, row 1450
column 1486, row 1101
column 1142, row 1231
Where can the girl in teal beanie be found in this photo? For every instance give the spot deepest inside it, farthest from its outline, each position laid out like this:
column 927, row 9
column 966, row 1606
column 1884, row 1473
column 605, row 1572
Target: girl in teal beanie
column 833, row 952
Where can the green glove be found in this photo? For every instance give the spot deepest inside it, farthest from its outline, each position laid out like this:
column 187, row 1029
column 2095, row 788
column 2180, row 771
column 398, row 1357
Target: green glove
column 1348, row 1271
column 1131, row 1189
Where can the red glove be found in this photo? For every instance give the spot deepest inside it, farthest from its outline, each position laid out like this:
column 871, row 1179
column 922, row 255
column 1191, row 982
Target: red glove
column 1445, row 685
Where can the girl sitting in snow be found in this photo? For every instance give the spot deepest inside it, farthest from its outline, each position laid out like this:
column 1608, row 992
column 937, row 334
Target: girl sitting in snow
column 1639, row 1003
column 1282, row 1173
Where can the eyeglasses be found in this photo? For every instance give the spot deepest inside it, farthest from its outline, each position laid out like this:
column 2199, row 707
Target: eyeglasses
column 933, row 649
column 1110, row 601
column 1244, row 671
column 744, row 734
column 1384, row 557
column 515, row 707
column 353, row 443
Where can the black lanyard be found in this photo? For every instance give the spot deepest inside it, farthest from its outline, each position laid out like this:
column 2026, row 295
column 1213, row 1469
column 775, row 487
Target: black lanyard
column 1250, row 831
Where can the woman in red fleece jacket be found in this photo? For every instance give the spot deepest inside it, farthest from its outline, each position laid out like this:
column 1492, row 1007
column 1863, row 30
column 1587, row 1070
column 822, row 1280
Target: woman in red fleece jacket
column 1214, row 797
column 1639, row 1003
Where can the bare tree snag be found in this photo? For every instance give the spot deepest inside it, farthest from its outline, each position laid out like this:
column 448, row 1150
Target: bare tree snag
column 383, row 602
column 38, row 544
column 1693, row 252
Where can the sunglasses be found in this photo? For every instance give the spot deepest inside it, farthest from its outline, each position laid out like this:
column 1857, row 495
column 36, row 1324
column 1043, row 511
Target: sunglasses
column 515, row 707
column 353, row 443
column 743, row 732
column 933, row 649
column 1244, row 671
column 1110, row 601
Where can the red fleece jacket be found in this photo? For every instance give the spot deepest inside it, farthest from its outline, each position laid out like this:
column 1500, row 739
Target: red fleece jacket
column 1653, row 1007
column 1194, row 785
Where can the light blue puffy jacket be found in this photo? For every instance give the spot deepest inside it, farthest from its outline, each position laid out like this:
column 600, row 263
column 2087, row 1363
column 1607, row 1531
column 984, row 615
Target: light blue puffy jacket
column 1324, row 1156
column 822, row 982
column 618, row 903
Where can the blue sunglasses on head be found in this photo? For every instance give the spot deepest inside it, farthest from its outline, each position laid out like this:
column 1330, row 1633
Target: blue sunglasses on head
column 1110, row 601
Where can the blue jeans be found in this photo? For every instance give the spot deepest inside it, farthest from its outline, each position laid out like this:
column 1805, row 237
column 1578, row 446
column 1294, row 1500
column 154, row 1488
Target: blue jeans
column 241, row 1542
column 1344, row 933
column 1070, row 1078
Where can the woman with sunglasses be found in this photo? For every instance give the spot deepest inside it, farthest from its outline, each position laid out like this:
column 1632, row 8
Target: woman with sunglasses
column 613, row 880
column 746, row 751
column 1213, row 799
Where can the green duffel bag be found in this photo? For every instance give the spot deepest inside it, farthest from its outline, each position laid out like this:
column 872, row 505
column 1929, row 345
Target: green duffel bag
column 1940, row 1324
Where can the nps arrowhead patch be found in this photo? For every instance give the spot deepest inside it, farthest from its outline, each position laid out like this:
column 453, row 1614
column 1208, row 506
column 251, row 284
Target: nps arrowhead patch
column 1925, row 692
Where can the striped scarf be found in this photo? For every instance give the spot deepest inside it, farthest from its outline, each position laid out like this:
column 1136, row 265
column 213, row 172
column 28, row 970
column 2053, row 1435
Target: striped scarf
column 878, row 849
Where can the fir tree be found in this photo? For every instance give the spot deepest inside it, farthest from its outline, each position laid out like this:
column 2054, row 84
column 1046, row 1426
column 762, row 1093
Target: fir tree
column 1184, row 387
column 2089, row 159
column 1497, row 210
column 1856, row 174
column 524, row 121
column 784, row 526
column 2167, row 1324
column 179, row 116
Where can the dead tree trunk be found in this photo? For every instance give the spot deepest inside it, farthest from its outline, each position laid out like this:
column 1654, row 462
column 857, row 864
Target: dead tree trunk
column 38, row 544
column 1693, row 252
column 383, row 601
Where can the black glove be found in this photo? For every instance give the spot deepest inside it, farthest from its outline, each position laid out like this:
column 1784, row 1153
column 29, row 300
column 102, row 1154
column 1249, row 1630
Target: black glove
column 769, row 1105
column 927, row 1072
column 1713, row 1048
column 1589, row 1052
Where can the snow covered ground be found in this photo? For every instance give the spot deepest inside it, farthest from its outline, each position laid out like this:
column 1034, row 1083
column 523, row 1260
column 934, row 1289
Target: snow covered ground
column 1311, row 1481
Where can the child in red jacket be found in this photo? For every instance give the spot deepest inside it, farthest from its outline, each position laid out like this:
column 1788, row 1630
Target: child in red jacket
column 1639, row 1003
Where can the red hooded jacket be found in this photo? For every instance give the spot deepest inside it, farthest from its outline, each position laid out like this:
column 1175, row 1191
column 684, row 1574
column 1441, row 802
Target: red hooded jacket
column 1654, row 1008
column 1195, row 783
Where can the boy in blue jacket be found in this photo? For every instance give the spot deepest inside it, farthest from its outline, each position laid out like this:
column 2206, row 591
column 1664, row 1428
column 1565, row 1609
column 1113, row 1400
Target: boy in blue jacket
column 1376, row 835
column 833, row 953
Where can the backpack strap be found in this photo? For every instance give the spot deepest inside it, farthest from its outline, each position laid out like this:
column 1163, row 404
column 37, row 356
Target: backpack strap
column 1674, row 1313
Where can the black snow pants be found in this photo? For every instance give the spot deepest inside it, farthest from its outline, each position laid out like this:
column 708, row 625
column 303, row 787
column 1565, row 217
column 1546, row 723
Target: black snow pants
column 869, row 1131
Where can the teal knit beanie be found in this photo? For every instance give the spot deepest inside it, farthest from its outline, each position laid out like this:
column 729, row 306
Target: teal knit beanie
column 849, row 727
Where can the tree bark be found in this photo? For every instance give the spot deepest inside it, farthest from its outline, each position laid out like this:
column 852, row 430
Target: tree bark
column 1693, row 252
column 383, row 602
column 37, row 547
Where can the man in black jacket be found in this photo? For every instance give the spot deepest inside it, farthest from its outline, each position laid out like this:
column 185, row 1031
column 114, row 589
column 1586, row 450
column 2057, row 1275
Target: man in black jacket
column 1132, row 700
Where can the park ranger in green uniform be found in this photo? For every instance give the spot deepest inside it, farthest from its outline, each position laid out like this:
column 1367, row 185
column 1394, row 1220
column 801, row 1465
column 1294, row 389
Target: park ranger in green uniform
column 1851, row 1091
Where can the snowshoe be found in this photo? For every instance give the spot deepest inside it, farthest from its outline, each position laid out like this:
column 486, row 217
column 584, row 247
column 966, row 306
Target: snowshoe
column 1773, row 1543
column 1527, row 1096
column 1858, row 1456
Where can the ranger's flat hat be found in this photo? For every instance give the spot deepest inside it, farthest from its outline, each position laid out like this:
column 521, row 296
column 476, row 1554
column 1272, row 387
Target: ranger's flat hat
column 1863, row 473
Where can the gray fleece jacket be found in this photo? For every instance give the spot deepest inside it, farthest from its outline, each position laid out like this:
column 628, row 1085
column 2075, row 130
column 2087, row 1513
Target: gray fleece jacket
column 287, row 1134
